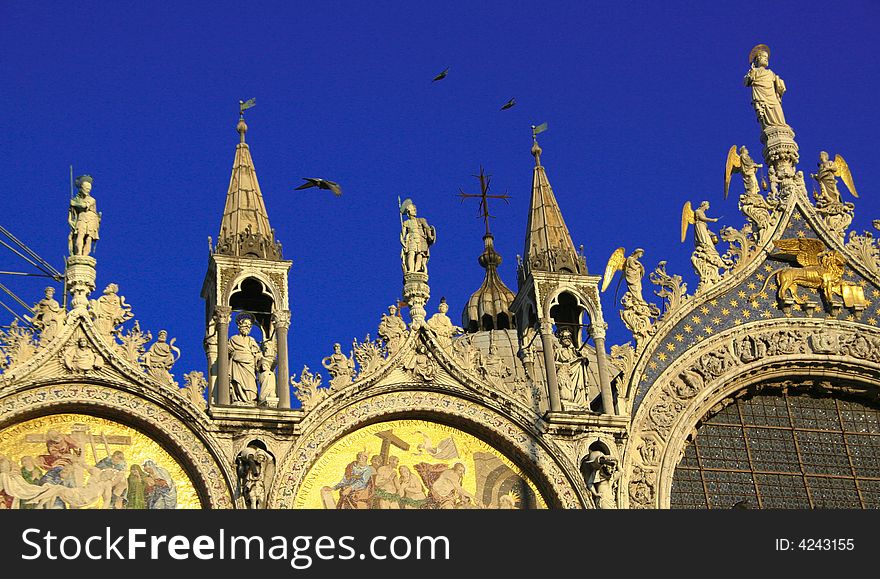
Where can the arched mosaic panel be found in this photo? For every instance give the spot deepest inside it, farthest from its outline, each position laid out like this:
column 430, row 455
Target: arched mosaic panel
column 415, row 464
column 79, row 461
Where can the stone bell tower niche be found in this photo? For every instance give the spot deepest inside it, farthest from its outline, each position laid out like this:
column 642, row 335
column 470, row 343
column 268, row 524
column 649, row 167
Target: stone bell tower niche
column 247, row 314
column 557, row 308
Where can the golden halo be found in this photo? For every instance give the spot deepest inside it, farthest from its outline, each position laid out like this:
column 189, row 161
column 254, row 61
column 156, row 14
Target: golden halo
column 758, row 48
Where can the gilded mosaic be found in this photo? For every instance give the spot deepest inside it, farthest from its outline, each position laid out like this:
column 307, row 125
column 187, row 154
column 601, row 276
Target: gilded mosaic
column 415, row 464
column 77, row 461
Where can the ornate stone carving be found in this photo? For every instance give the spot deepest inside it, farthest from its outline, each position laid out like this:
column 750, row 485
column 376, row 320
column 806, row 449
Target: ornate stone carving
column 83, row 218
column 250, row 467
column 642, row 483
column 109, row 311
column 442, row 326
column 132, row 346
column 421, row 365
column 227, row 275
column 672, row 289
column 340, row 367
column 161, row 357
column 48, row 317
column 194, row 386
column 638, row 315
column 281, row 318
column 368, row 355
column 708, row 264
column 308, row 389
column 865, row 249
column 742, row 245
column 80, row 358
column 392, row 330
column 571, row 374
column 17, row 346
column 603, row 475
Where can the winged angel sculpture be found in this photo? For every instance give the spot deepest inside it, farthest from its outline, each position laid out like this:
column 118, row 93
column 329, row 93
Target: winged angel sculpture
column 819, row 269
column 826, row 175
column 637, row 314
column 705, row 259
column 751, row 203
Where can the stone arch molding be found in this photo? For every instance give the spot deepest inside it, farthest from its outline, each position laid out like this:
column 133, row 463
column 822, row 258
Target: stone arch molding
column 558, row 481
column 194, row 452
column 720, row 367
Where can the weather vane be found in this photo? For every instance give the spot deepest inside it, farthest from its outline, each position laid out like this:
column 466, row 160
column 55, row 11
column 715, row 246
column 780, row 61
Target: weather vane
column 484, row 197
column 538, row 129
column 245, row 105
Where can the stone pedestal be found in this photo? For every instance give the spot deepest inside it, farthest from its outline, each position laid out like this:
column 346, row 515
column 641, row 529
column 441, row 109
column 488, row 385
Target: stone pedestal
column 416, row 292
column 780, row 150
column 80, row 277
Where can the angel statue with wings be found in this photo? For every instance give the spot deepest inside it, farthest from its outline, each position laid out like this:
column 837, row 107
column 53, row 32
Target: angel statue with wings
column 637, row 314
column 751, row 203
column 826, row 175
column 705, row 259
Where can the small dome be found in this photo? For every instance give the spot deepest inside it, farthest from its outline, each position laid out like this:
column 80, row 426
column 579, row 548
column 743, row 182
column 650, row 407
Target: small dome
column 489, row 307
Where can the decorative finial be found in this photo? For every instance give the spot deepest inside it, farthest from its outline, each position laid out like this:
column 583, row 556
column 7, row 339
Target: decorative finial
column 536, row 149
column 242, row 107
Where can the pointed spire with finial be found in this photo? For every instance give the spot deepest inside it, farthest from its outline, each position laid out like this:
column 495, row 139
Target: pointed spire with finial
column 245, row 229
column 548, row 244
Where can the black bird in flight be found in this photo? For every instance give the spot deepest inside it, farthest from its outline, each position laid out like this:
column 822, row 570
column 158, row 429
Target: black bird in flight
column 442, row 75
column 321, row 184
column 508, row 104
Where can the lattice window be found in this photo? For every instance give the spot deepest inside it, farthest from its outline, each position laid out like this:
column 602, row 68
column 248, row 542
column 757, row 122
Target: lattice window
column 783, row 450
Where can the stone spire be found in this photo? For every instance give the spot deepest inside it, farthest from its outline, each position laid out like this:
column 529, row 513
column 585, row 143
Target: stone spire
column 489, row 307
column 245, row 230
column 548, row 244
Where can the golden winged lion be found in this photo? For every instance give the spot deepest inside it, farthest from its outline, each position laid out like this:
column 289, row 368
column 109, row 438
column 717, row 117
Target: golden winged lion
column 820, row 269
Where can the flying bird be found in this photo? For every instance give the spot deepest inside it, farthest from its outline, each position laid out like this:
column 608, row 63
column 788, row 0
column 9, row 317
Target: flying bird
column 508, row 104
column 442, row 75
column 321, row 184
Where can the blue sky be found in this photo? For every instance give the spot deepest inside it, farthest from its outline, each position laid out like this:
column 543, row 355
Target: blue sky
column 642, row 100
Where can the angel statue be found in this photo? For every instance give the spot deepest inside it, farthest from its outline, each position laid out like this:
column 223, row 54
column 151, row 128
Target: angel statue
column 767, row 88
column 826, row 175
column 637, row 313
column 741, row 163
column 705, row 259
column 751, row 203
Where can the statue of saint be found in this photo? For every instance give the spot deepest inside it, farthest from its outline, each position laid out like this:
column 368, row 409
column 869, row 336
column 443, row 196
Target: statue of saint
column 244, row 353
column 391, row 329
column 442, row 326
column 83, row 218
column 416, row 237
column 110, row 310
column 767, row 88
column 160, row 357
column 48, row 316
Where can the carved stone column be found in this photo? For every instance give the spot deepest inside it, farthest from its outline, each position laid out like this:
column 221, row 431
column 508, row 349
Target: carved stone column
column 222, row 315
column 210, row 345
column 597, row 332
column 550, row 366
column 80, row 277
column 780, row 149
column 281, row 319
column 416, row 292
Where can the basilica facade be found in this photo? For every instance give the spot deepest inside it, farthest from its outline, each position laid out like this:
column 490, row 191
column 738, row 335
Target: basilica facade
column 756, row 389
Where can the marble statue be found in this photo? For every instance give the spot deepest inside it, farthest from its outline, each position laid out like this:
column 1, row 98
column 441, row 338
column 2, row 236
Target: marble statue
column 416, row 237
column 767, row 88
column 83, row 218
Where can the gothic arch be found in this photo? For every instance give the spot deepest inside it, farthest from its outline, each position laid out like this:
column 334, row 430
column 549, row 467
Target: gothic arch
column 719, row 368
